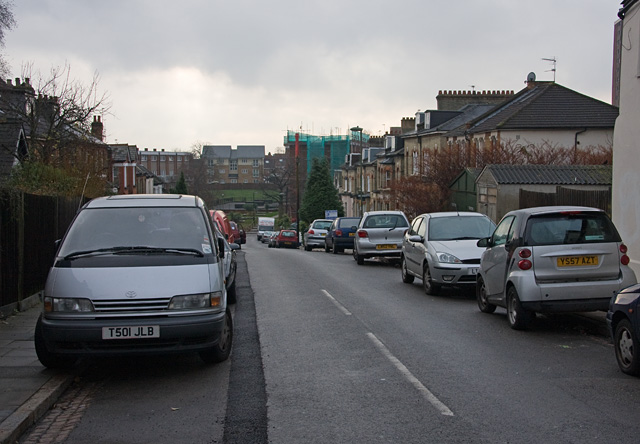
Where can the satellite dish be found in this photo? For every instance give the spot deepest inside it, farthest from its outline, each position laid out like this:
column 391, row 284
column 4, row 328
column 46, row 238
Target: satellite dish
column 531, row 77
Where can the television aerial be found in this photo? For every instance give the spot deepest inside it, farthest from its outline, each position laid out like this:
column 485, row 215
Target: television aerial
column 554, row 61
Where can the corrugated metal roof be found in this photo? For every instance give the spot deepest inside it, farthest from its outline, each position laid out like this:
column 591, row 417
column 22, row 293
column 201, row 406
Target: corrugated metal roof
column 551, row 174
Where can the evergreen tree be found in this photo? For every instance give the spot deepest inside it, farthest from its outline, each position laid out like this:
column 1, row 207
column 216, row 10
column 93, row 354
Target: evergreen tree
column 181, row 186
column 319, row 194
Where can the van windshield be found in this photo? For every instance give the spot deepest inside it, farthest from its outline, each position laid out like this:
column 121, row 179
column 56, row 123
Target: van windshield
column 122, row 228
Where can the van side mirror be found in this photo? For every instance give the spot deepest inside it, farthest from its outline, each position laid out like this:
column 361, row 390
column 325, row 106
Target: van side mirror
column 220, row 247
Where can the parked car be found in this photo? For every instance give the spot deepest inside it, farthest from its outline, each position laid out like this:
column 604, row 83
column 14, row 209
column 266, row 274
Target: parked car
column 222, row 221
column 243, row 234
column 624, row 324
column 271, row 239
column 341, row 234
column 314, row 236
column 230, row 267
column 286, row 239
column 441, row 249
column 266, row 236
column 236, row 233
column 379, row 234
column 136, row 274
column 552, row 259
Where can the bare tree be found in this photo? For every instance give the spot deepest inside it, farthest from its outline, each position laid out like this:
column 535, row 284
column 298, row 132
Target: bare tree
column 7, row 22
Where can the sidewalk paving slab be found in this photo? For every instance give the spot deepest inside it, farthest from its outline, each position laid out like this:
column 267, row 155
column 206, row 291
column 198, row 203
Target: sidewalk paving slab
column 27, row 388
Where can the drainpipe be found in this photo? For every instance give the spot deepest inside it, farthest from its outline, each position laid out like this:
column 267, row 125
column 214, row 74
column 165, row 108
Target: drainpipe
column 575, row 144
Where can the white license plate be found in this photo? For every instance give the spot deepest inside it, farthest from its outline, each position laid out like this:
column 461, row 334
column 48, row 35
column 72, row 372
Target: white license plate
column 473, row 271
column 133, row 332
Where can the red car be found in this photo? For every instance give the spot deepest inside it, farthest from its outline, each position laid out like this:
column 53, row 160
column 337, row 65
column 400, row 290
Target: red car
column 287, row 238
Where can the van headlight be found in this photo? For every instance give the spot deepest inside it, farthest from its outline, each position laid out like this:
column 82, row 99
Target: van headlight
column 67, row 305
column 191, row 301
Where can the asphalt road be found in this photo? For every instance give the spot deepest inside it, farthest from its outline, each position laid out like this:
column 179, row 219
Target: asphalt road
column 327, row 351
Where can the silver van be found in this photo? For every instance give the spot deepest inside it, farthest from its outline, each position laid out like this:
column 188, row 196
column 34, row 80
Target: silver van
column 136, row 274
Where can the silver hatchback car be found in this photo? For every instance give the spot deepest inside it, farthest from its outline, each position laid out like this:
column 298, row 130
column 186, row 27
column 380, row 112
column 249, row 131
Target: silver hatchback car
column 552, row 259
column 440, row 249
column 379, row 235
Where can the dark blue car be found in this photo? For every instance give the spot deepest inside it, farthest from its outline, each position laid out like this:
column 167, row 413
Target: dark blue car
column 341, row 234
column 624, row 324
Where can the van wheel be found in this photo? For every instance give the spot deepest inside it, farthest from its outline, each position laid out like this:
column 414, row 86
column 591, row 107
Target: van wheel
column 46, row 358
column 519, row 318
column 430, row 288
column 481, row 295
column 231, row 293
column 626, row 344
column 406, row 277
column 221, row 351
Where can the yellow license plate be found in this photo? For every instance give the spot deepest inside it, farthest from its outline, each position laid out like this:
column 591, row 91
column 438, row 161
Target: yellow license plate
column 386, row 247
column 352, row 234
column 577, row 261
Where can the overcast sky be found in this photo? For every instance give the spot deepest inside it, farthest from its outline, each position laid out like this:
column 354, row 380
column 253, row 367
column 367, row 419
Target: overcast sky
column 239, row 72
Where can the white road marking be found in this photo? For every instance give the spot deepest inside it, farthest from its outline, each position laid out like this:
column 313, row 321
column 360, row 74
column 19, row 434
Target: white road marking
column 338, row 304
column 443, row 409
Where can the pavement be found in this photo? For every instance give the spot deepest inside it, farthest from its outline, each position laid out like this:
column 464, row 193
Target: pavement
column 27, row 388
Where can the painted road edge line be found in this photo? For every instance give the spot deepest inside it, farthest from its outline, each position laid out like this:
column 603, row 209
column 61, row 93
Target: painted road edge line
column 443, row 409
column 337, row 304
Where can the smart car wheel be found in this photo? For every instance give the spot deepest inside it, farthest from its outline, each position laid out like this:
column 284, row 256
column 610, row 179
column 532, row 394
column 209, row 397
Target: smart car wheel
column 46, row 358
column 625, row 345
column 221, row 351
column 519, row 318
column 481, row 296
column 429, row 287
column 406, row 277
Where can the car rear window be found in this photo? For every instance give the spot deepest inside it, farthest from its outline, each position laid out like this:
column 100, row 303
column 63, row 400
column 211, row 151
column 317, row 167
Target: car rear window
column 348, row 223
column 322, row 225
column 385, row 221
column 570, row 228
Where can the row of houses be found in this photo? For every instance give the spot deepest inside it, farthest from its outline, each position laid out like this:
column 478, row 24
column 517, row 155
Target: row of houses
column 545, row 135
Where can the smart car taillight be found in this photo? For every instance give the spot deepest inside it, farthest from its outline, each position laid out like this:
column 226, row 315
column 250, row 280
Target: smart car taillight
column 525, row 253
column 624, row 259
column 524, row 264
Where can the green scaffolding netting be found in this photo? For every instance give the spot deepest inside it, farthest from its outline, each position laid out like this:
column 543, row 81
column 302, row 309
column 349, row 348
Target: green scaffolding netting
column 333, row 147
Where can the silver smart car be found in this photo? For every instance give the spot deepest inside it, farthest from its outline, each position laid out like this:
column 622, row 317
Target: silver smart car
column 136, row 274
column 552, row 259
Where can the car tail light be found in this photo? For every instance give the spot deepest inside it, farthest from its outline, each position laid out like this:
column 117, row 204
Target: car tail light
column 524, row 264
column 624, row 259
column 525, row 253
column 363, row 233
column 311, row 231
column 338, row 232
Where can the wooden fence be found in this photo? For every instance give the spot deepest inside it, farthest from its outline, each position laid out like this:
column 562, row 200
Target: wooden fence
column 29, row 227
column 567, row 196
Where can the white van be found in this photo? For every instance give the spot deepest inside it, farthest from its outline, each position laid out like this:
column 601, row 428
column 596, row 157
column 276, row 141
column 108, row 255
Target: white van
column 136, row 274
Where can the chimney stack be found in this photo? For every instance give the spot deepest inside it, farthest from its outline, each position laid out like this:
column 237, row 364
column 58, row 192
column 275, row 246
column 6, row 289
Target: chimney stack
column 97, row 129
